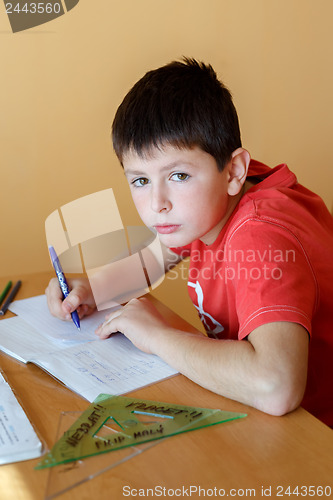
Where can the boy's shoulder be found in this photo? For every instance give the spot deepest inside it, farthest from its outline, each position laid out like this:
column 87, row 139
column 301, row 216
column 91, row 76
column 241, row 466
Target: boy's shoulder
column 275, row 196
column 267, row 182
column 278, row 209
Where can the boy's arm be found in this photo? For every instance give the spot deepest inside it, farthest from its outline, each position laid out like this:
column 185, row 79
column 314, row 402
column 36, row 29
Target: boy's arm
column 268, row 371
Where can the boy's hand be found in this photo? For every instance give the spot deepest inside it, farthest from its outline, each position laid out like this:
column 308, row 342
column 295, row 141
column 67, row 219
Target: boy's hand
column 80, row 299
column 139, row 321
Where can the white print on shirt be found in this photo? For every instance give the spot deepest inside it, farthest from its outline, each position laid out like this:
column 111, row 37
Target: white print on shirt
column 218, row 328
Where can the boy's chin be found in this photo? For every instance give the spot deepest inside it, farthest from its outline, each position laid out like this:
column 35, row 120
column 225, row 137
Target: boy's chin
column 173, row 240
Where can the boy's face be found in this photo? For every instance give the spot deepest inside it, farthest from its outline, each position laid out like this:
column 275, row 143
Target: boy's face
column 180, row 193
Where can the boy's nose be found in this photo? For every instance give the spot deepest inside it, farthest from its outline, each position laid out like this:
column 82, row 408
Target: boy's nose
column 159, row 201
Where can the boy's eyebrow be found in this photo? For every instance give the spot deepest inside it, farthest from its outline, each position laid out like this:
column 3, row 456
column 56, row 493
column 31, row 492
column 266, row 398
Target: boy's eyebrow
column 169, row 166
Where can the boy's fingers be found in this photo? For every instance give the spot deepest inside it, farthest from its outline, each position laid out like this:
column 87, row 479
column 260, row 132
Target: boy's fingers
column 53, row 290
column 54, row 298
column 105, row 329
column 71, row 303
column 79, row 296
column 85, row 310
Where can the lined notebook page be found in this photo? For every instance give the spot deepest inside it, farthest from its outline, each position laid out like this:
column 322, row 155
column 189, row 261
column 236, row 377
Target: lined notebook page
column 35, row 312
column 21, row 341
column 113, row 366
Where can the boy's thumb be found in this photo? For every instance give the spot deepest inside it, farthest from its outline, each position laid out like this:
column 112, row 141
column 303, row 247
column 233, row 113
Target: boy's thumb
column 71, row 303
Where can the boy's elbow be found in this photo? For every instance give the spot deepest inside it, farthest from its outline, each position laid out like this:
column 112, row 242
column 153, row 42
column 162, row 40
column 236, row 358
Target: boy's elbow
column 279, row 397
column 279, row 406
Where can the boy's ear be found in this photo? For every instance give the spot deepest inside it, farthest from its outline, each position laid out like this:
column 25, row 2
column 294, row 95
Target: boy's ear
column 237, row 170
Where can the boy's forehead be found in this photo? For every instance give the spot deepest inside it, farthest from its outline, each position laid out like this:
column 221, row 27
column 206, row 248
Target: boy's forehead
column 153, row 152
column 164, row 156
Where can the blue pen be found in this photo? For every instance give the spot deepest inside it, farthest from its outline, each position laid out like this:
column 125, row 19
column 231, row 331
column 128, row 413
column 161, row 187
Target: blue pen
column 63, row 283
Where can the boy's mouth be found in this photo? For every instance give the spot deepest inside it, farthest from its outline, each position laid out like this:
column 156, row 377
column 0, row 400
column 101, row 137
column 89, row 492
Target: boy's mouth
column 167, row 228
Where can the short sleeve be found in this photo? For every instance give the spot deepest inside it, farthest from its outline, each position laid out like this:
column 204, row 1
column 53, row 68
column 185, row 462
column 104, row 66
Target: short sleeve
column 272, row 276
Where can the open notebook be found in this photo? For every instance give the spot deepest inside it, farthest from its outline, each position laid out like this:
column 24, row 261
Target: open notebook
column 80, row 360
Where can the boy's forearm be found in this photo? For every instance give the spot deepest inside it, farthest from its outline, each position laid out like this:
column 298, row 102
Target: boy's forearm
column 231, row 368
column 267, row 371
column 221, row 366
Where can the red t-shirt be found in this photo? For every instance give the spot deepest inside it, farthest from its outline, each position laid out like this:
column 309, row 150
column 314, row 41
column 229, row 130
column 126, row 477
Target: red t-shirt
column 271, row 262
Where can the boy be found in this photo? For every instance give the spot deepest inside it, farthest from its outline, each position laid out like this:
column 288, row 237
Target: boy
column 260, row 246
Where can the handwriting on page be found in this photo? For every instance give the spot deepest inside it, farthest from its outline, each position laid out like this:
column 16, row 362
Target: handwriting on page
column 113, row 366
column 87, row 363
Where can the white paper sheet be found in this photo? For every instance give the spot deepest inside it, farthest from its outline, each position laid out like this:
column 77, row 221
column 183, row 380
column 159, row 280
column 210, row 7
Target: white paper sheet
column 35, row 312
column 18, row 440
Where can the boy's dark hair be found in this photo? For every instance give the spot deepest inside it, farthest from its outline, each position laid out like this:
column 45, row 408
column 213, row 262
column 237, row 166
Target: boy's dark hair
column 182, row 104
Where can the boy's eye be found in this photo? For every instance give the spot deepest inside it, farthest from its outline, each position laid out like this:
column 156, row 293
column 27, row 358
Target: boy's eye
column 180, row 176
column 142, row 181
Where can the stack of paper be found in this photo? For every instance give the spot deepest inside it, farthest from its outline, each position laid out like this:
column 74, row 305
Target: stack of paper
column 18, row 440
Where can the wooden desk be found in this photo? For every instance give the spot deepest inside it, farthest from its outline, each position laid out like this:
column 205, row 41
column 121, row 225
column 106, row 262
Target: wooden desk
column 238, row 458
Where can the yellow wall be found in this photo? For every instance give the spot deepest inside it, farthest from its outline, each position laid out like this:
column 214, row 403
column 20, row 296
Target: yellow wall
column 62, row 82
